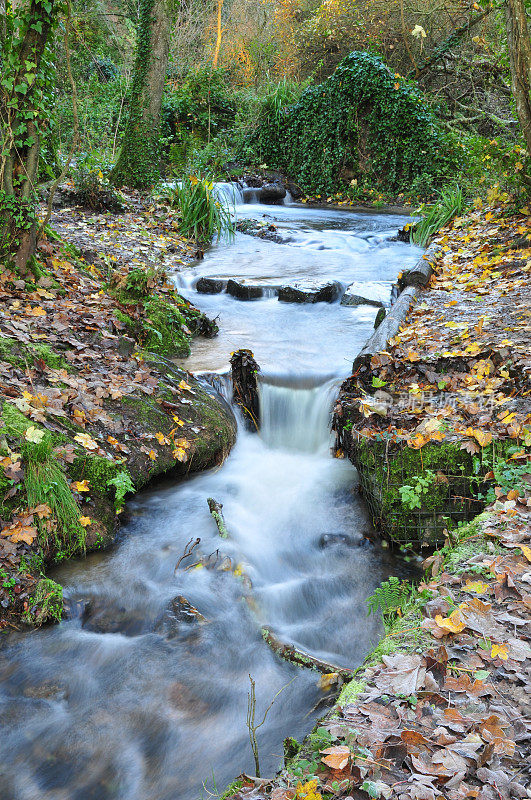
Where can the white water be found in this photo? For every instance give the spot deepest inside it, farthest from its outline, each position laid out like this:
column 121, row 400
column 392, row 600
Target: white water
column 122, row 705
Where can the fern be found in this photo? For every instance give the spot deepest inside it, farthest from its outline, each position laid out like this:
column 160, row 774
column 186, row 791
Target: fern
column 390, row 597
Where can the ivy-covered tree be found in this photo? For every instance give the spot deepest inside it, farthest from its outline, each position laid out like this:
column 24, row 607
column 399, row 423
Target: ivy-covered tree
column 138, row 161
column 519, row 47
column 26, row 27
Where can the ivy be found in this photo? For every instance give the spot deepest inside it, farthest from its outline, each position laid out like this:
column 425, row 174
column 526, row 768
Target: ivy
column 138, row 163
column 364, row 123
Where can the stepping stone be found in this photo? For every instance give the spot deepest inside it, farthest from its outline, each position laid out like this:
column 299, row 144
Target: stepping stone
column 210, row 285
column 311, row 292
column 244, row 291
column 271, row 193
column 367, row 294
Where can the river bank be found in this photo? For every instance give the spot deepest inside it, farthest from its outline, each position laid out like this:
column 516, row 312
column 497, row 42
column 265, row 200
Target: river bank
column 91, row 407
column 440, row 707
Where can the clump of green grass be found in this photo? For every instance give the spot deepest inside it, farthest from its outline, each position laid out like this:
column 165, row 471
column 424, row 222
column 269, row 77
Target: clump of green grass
column 203, row 214
column 46, row 483
column 450, row 204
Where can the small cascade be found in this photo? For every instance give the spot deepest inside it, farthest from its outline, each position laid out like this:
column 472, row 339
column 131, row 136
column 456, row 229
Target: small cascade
column 295, row 417
column 231, row 193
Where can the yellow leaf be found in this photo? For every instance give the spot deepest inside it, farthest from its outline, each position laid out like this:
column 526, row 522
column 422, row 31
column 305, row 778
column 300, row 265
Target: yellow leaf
column 85, row 521
column 152, row 455
column 453, row 624
column 180, row 454
column 328, row 680
column 80, row 486
column 526, row 551
column 499, row 650
column 476, row 586
column 34, row 435
column 86, row 440
column 184, row 385
column 161, row 439
column 483, row 438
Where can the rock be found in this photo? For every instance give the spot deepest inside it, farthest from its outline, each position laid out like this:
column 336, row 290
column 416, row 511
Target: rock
column 100, row 617
column 244, row 291
column 295, row 190
column 367, row 294
column 125, row 346
column 271, row 193
column 179, row 612
column 380, row 316
column 210, row 285
column 310, row 292
column 330, row 539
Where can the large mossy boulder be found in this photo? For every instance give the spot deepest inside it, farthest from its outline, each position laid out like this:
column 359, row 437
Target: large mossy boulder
column 364, row 122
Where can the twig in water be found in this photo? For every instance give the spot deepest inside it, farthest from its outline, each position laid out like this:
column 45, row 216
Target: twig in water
column 187, row 552
column 252, row 728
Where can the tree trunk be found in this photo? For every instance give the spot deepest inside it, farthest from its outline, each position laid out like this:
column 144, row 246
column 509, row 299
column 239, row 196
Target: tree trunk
column 218, row 34
column 22, row 115
column 138, row 162
column 519, row 46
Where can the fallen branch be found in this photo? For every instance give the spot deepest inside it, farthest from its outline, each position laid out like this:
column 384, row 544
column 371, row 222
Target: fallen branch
column 187, row 552
column 291, row 653
column 215, row 509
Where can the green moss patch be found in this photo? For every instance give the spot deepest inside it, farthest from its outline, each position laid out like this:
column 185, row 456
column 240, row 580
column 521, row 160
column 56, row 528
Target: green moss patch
column 21, row 355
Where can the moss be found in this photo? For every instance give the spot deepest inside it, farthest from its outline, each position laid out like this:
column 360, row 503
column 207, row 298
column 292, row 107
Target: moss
column 453, row 494
column 46, row 605
column 46, row 483
column 231, row 789
column 14, row 421
column 97, row 470
column 350, row 692
column 19, row 354
column 163, row 331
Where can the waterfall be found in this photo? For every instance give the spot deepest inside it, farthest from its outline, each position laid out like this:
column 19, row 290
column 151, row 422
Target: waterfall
column 295, row 417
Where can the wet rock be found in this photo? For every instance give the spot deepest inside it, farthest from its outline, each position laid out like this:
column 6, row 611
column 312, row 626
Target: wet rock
column 244, row 291
column 272, row 193
column 179, row 612
column 310, row 292
column 295, row 190
column 368, row 294
column 210, row 285
column 100, row 617
column 331, row 539
column 380, row 316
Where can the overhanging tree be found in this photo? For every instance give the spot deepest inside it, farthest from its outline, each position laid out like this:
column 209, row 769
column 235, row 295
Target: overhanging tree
column 138, row 161
column 25, row 30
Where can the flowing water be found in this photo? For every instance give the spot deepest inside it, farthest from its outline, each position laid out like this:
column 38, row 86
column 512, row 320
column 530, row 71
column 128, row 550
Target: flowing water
column 128, row 702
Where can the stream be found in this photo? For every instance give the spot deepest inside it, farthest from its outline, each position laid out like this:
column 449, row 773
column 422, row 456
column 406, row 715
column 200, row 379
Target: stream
column 128, row 701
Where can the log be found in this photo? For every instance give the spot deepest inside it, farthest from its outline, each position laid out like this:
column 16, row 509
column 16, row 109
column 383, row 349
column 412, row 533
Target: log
column 420, row 274
column 215, row 509
column 245, row 386
column 302, row 659
column 387, row 328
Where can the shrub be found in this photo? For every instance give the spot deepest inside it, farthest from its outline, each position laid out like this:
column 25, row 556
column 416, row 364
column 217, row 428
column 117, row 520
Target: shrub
column 92, row 187
column 362, row 122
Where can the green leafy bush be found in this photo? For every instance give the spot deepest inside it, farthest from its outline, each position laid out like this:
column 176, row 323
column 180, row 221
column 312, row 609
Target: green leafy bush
column 362, row 122
column 199, row 103
column 92, row 186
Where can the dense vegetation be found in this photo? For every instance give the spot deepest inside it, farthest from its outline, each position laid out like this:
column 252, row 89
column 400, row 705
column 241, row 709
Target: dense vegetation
column 361, row 100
